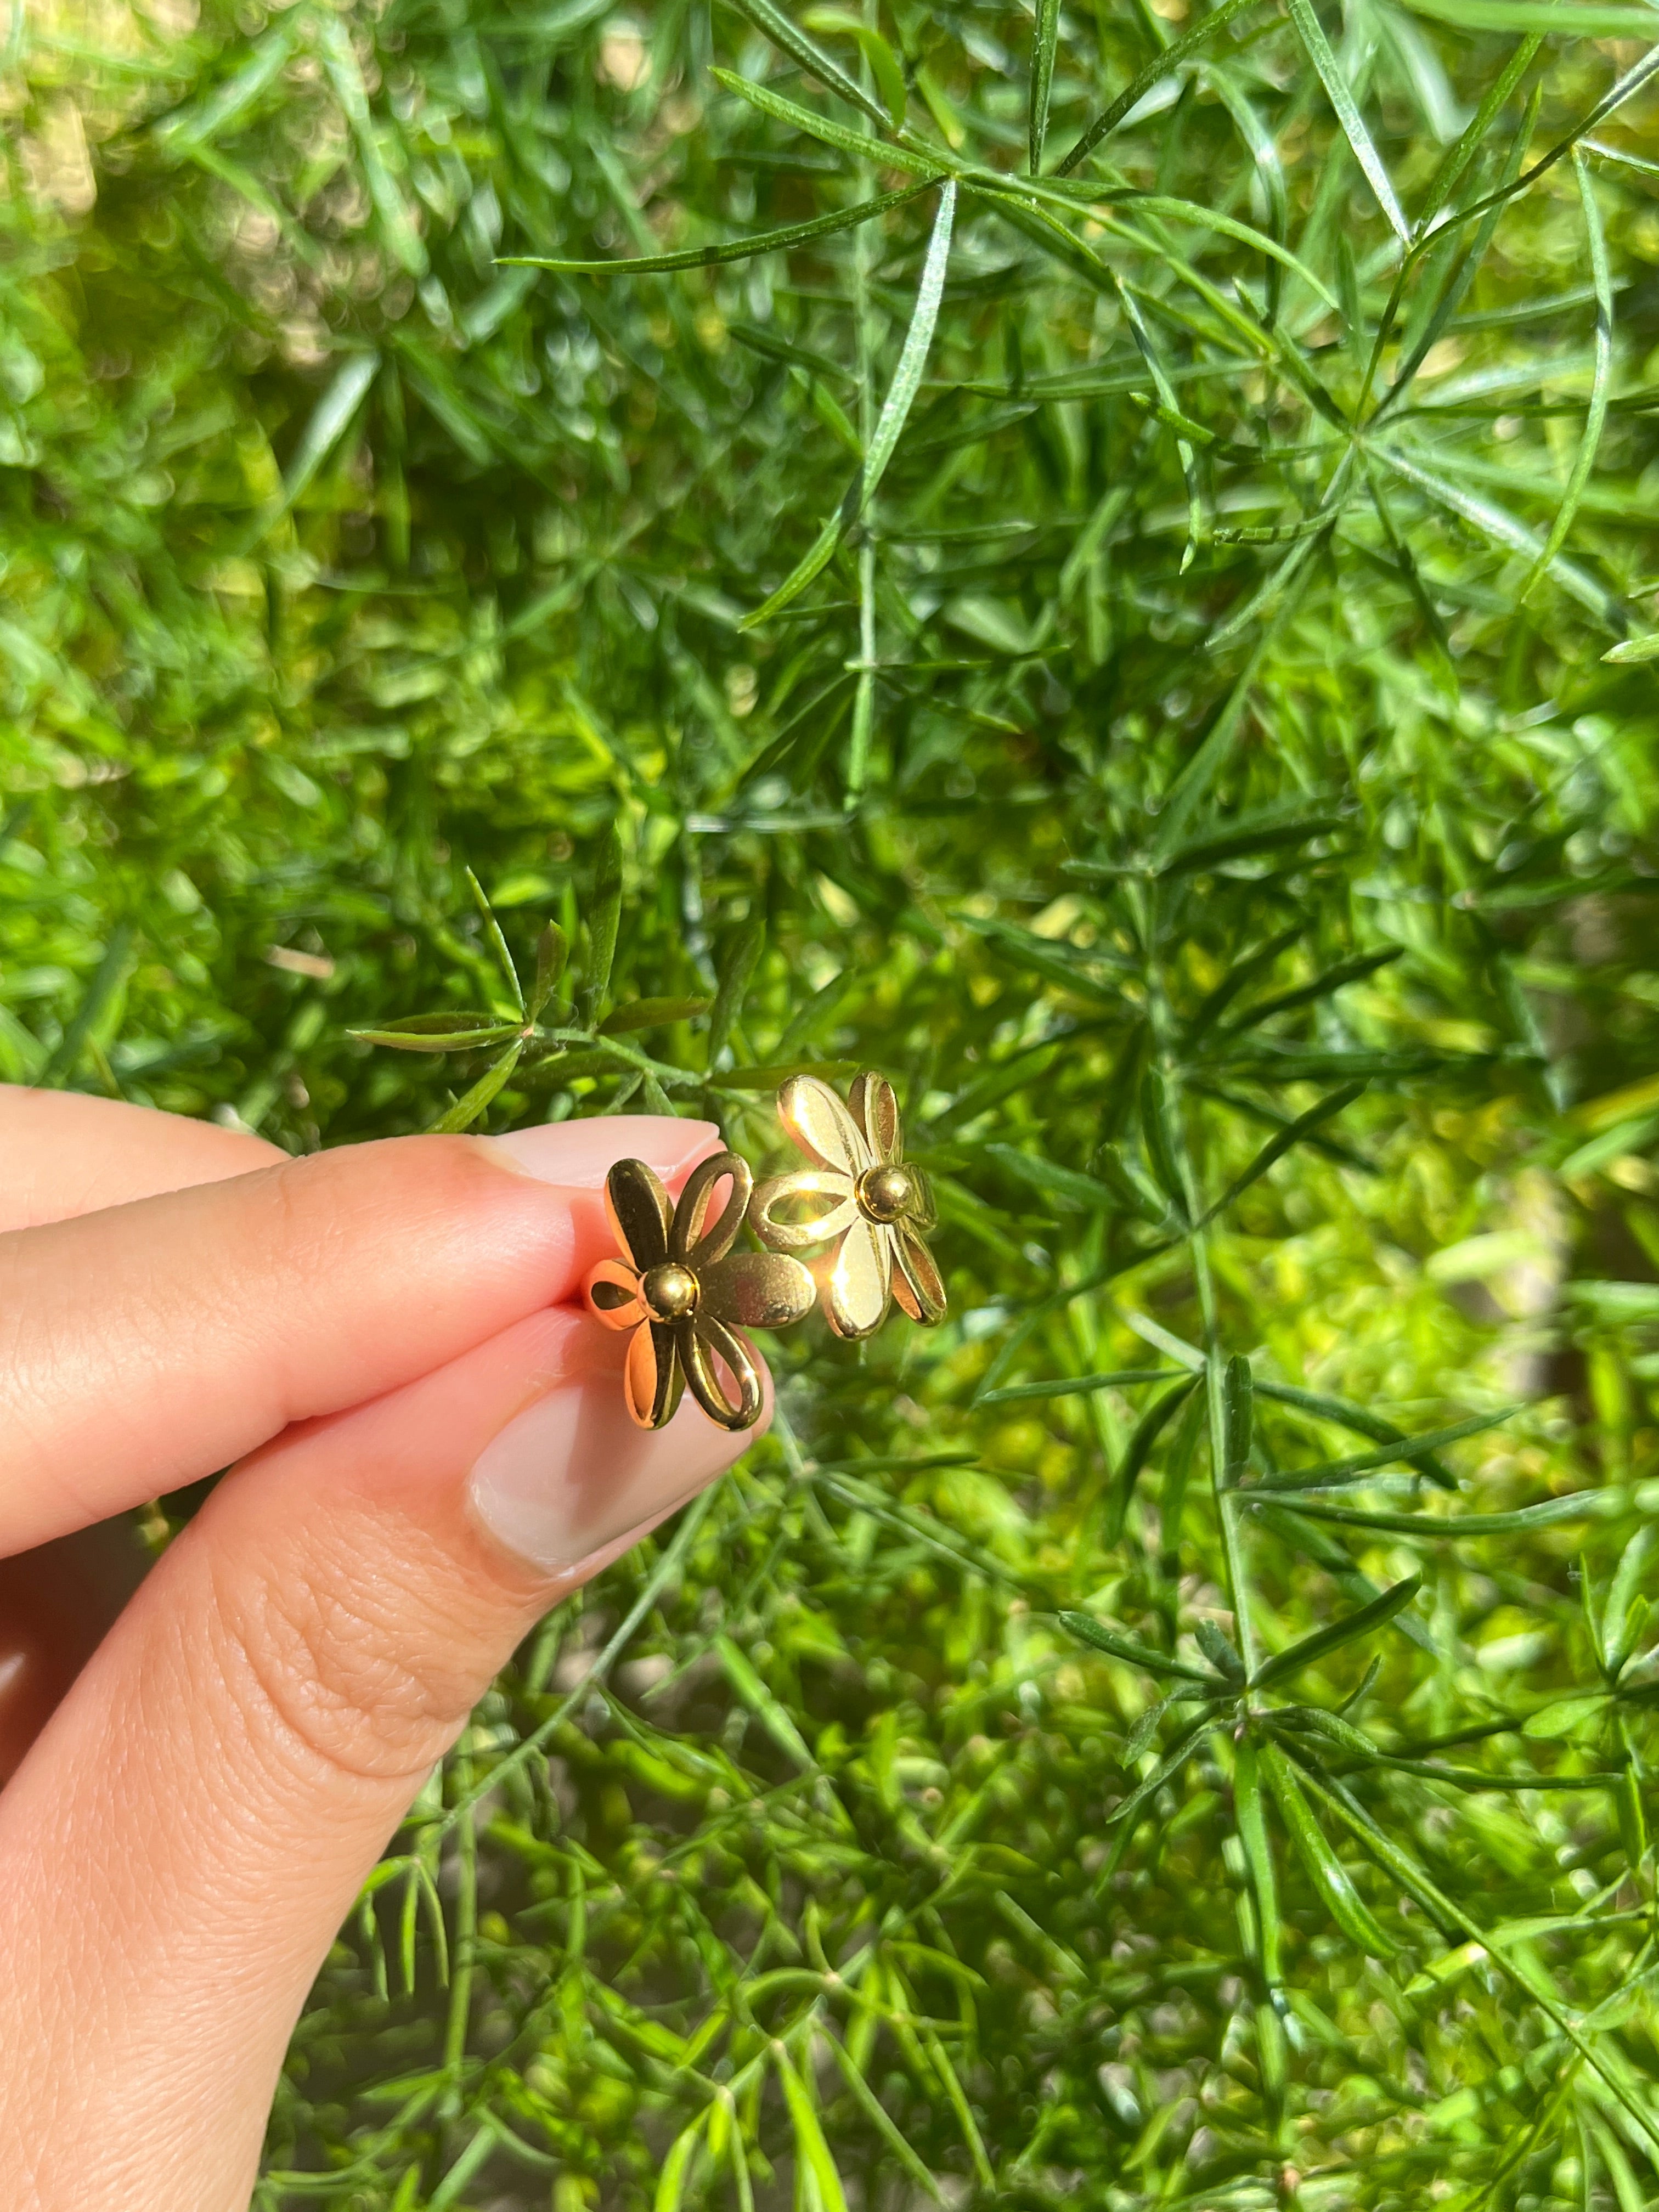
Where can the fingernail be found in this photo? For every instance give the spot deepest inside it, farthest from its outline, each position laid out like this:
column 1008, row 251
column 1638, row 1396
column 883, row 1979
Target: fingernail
column 580, row 1153
column 572, row 1474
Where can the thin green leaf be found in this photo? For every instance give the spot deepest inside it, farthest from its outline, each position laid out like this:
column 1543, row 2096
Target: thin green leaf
column 810, row 2145
column 1286, row 1139
column 651, row 1014
column 1360, row 1419
column 807, row 55
column 107, row 980
column 1071, row 1386
column 1088, row 1629
column 853, row 142
column 1238, row 1404
column 1173, row 56
column 1072, row 1189
column 1566, row 19
column 676, row 2169
column 1496, row 524
column 781, row 240
column 1166, row 1769
column 1218, row 1649
column 446, row 1032
column 1582, row 1504
column 877, row 2113
column 1175, row 210
column 498, row 943
column 773, row 1716
column 552, row 951
column 1192, row 785
column 604, row 920
column 739, row 966
column 1325, row 1871
column 884, row 62
column 339, row 60
column 1496, row 97
column 203, row 120
column 1334, row 979
column 1318, row 47
column 328, row 422
column 1617, row 1641
column 1040, row 956
column 468, row 1108
column 1336, row 1633
column 1044, row 33
column 1596, row 415
column 1329, row 1472
column 890, row 424
column 1147, row 1431
column 1161, row 1134
column 1258, row 1856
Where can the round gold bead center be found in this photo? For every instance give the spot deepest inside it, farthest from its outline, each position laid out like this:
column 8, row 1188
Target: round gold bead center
column 670, row 1292
column 884, row 1193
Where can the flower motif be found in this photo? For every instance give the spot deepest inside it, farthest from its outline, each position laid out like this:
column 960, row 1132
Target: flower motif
column 876, row 1207
column 681, row 1287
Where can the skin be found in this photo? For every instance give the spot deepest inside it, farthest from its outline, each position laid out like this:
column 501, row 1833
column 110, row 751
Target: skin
column 206, row 1760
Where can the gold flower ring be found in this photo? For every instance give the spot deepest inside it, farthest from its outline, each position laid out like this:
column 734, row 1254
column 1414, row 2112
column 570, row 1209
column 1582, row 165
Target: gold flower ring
column 687, row 1295
column 872, row 1205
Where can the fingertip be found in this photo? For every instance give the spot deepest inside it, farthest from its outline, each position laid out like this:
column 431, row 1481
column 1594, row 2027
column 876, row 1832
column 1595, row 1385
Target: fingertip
column 573, row 1474
column 579, row 1154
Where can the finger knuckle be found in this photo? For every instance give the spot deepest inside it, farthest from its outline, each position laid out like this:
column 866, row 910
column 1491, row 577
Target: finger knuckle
column 350, row 1670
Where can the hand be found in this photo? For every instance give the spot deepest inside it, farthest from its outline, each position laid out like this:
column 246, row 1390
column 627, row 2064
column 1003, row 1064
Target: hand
column 430, row 1449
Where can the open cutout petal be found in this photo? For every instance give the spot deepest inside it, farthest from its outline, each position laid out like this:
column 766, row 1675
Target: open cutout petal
column 689, row 1240
column 760, row 1289
column 916, row 1282
column 613, row 1294
column 821, row 1125
column 709, row 1339
column 833, row 1186
column 923, row 1209
column 875, row 1108
column 640, row 1213
column 651, row 1378
column 855, row 1296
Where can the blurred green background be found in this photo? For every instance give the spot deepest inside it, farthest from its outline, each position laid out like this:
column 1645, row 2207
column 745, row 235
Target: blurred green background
column 1199, row 740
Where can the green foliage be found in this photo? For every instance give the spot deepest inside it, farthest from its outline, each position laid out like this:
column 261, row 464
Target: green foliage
column 1101, row 561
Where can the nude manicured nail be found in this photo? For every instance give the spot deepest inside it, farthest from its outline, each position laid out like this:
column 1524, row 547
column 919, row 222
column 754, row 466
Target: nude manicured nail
column 581, row 1153
column 572, row 1473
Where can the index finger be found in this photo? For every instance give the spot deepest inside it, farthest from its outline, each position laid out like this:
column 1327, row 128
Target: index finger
column 63, row 1152
column 149, row 1345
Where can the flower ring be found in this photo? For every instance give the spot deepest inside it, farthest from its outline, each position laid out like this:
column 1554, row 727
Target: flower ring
column 876, row 1205
column 681, row 1288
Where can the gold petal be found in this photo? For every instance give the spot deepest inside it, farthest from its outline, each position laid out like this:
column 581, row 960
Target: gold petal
column 650, row 1379
column 640, row 1213
column 922, row 1212
column 821, row 1125
column 830, row 1183
column 613, row 1294
column 876, row 1109
column 689, row 1240
column 855, row 1296
column 710, row 1339
column 916, row 1282
column 762, row 1290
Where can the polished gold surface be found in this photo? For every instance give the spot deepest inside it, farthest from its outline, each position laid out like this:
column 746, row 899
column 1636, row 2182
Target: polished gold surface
column 687, row 1295
column 669, row 1292
column 860, row 1198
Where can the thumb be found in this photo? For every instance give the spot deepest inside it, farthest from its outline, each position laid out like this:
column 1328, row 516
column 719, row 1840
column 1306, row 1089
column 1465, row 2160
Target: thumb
column 203, row 1809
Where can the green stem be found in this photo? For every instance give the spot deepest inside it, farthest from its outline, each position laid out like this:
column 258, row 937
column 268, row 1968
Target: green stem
column 464, row 1948
column 864, row 700
column 1158, row 1014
